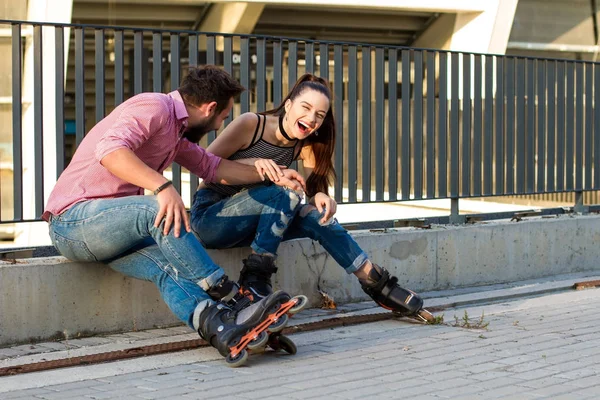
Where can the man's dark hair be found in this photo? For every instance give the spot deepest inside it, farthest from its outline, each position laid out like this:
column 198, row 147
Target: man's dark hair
column 209, row 83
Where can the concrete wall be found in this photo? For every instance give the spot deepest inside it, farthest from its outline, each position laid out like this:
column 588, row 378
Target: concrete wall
column 42, row 298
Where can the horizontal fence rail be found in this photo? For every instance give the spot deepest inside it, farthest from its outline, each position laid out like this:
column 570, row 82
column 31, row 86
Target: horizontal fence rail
column 412, row 124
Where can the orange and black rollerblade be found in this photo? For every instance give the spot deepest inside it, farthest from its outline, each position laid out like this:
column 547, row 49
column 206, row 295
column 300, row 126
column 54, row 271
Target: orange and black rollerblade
column 233, row 330
column 255, row 284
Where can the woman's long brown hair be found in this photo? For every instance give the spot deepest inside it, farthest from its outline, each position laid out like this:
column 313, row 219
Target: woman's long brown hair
column 323, row 144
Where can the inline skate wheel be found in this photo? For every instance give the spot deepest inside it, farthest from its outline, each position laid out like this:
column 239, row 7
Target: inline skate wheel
column 278, row 325
column 260, row 341
column 286, row 344
column 238, row 360
column 302, row 302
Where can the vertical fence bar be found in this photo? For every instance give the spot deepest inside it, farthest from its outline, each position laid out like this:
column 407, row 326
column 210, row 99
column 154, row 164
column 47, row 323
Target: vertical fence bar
column 59, row 44
column 466, row 126
column 193, row 61
column 17, row 128
column 454, row 127
column 405, row 142
column 509, row 149
column 309, row 57
column 530, row 131
column 278, row 72
column 366, row 124
column 499, row 125
column 292, row 63
column 488, row 128
column 430, row 134
column 211, row 50
column 578, row 151
column 193, row 50
column 138, row 51
column 228, row 66
column 79, row 85
column 589, row 124
column 157, row 67
column 393, row 123
column 38, row 123
column 352, row 120
column 245, row 74
column 560, row 126
column 442, row 153
column 570, row 132
column 261, row 75
column 338, row 89
column 551, row 79
column 324, row 61
column 541, row 123
column 100, row 74
column 418, row 124
column 175, row 78
column 379, row 122
column 119, row 67
column 477, row 98
column 596, row 126
column 520, row 138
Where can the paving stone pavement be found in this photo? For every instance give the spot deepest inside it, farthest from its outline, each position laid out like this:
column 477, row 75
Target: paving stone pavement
column 543, row 347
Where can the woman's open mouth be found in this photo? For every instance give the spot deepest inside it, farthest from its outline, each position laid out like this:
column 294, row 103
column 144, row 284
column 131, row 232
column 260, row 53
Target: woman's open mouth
column 305, row 129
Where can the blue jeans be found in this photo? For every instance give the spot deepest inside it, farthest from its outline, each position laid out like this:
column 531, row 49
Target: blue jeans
column 259, row 216
column 120, row 232
column 239, row 220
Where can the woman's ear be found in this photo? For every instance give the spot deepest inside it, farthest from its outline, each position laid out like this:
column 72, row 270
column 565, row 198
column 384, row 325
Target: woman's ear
column 287, row 105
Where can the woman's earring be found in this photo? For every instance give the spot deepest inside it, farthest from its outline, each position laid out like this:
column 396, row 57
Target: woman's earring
column 316, row 133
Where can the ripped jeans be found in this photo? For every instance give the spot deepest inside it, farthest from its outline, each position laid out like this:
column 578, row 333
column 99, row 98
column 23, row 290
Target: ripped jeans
column 255, row 217
column 120, row 232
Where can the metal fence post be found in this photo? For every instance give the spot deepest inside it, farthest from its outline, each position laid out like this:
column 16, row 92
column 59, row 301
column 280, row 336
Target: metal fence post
column 579, row 206
column 455, row 218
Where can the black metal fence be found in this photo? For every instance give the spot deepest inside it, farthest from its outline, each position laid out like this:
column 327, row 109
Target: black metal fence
column 412, row 124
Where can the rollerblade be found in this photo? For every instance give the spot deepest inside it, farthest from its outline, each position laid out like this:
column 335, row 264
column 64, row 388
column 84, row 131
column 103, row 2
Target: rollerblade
column 386, row 292
column 235, row 330
column 255, row 284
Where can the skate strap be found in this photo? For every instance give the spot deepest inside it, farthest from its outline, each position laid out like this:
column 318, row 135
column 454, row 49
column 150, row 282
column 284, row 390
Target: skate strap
column 384, row 281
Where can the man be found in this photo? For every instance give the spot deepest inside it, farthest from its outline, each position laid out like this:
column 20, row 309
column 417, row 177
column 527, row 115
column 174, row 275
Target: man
column 97, row 211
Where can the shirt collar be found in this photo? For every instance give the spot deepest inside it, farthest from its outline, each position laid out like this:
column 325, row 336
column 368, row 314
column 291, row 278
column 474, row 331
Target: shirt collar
column 180, row 111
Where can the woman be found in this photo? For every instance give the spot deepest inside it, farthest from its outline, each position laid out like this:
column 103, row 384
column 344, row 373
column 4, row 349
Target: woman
column 222, row 216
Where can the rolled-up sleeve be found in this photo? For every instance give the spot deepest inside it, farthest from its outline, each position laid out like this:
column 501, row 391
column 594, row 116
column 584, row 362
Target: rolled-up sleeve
column 197, row 160
column 136, row 123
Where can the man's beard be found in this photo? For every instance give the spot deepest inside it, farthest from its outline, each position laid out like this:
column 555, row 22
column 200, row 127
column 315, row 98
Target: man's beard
column 196, row 132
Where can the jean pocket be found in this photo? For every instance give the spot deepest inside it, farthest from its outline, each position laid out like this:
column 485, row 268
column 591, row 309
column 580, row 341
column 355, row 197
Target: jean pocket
column 74, row 250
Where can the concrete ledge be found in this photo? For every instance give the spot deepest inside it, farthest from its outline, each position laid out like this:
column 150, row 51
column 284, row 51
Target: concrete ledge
column 53, row 297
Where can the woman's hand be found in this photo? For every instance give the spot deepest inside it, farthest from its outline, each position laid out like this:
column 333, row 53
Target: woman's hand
column 324, row 202
column 268, row 169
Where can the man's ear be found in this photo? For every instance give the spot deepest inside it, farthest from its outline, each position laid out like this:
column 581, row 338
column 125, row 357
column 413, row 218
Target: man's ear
column 208, row 108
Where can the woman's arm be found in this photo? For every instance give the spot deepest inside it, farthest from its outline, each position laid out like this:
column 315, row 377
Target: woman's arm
column 237, row 135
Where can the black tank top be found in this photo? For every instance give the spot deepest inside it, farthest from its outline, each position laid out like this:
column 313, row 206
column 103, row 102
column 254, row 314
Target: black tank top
column 259, row 148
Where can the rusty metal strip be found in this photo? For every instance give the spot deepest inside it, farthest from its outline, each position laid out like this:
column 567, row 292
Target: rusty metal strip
column 187, row 345
column 586, row 285
column 104, row 357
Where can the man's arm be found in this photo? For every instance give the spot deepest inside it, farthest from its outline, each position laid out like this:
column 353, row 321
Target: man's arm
column 235, row 173
column 124, row 164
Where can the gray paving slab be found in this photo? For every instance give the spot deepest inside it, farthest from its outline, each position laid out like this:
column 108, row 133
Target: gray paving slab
column 538, row 347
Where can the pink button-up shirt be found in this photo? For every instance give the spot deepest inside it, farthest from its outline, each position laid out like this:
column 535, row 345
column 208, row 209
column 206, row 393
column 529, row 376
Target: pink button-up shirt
column 150, row 125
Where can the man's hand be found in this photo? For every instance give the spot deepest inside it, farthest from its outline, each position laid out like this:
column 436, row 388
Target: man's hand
column 291, row 179
column 172, row 210
column 324, row 202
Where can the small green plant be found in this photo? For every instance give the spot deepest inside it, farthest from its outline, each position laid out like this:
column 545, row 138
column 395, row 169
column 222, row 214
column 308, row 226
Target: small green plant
column 466, row 323
column 437, row 320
